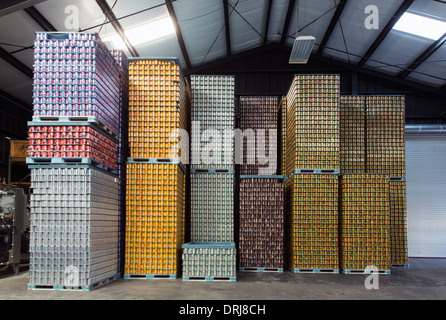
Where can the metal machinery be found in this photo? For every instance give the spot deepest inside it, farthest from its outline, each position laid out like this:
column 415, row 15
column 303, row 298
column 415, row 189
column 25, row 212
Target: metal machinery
column 12, row 225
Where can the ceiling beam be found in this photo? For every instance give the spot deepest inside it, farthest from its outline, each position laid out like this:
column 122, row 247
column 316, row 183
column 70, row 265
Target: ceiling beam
column 332, row 25
column 286, row 26
column 389, row 26
column 13, row 61
column 11, row 6
column 423, row 57
column 7, row 97
column 180, row 38
column 40, row 19
column 380, row 75
column 268, row 18
column 108, row 12
column 227, row 28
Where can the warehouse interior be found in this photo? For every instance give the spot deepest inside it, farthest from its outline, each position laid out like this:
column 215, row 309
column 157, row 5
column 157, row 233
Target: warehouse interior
column 364, row 42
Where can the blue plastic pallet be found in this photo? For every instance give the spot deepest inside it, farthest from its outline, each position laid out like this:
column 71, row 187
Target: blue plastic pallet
column 209, row 279
column 154, row 160
column 74, row 288
column 47, row 162
column 332, row 271
column 211, row 171
column 150, row 276
column 248, row 269
column 260, row 177
column 310, row 171
column 360, row 271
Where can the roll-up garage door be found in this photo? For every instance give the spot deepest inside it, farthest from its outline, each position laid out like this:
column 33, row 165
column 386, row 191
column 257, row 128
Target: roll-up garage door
column 426, row 194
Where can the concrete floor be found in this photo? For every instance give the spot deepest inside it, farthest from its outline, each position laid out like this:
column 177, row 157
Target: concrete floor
column 425, row 279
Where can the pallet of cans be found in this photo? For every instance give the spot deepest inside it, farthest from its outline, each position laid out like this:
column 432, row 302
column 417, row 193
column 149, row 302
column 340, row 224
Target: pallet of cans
column 159, row 108
column 155, row 220
column 209, row 261
column 352, row 134
column 212, row 207
column 123, row 148
column 398, row 224
column 70, row 141
column 258, row 122
column 74, row 228
column 261, row 233
column 213, row 117
column 364, row 223
column 313, row 123
column 283, row 134
column 386, row 135
column 75, row 76
column 312, row 222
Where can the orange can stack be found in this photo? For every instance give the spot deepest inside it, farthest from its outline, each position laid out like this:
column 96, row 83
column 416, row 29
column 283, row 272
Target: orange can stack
column 156, row 176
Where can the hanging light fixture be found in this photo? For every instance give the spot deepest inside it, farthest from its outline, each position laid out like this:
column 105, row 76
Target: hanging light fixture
column 302, row 47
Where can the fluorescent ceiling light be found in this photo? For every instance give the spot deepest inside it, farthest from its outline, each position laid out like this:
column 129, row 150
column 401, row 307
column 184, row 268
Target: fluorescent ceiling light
column 148, row 32
column 302, row 48
column 421, row 26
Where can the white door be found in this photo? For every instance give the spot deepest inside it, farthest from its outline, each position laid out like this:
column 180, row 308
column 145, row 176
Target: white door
column 426, row 194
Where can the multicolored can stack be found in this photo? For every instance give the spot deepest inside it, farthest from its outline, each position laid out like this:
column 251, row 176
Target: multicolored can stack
column 386, row 154
column 212, row 181
column 73, row 157
column 261, row 234
column 313, row 123
column 364, row 223
column 156, row 185
column 258, row 122
column 283, row 133
column 123, row 147
column 312, row 222
column 353, row 134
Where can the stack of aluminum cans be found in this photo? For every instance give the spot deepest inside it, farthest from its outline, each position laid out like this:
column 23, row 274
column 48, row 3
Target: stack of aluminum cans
column 74, row 205
column 123, row 148
column 312, row 169
column 261, row 246
column 283, row 133
column 212, row 179
column 364, row 223
column 74, row 228
column 209, row 261
column 353, row 130
column 156, row 185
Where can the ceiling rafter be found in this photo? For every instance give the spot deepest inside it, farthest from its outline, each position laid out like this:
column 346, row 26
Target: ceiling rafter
column 108, row 12
column 286, row 26
column 389, row 26
column 180, row 38
column 13, row 61
column 268, row 18
column 337, row 15
column 40, row 19
column 423, row 57
column 227, row 28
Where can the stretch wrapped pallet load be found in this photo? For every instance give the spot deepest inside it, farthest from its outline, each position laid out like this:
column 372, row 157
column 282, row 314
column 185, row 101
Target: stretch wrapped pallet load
column 155, row 220
column 159, row 108
column 74, row 228
column 398, row 224
column 213, row 113
column 70, row 141
column 258, row 122
column 313, row 123
column 312, row 222
column 212, row 207
column 386, row 135
column 283, row 130
column 364, row 223
column 209, row 261
column 261, row 245
column 352, row 137
column 75, row 77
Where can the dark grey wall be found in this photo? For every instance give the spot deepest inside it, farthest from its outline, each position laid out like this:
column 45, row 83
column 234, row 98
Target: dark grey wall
column 267, row 72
